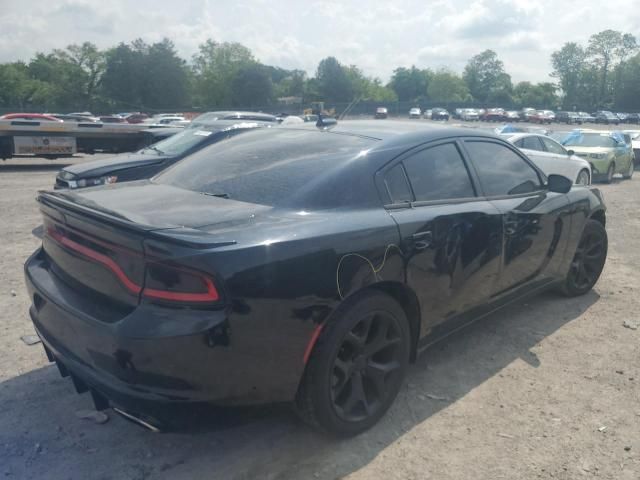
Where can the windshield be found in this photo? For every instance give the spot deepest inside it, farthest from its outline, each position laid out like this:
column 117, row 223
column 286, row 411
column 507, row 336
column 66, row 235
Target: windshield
column 266, row 166
column 181, row 142
column 589, row 140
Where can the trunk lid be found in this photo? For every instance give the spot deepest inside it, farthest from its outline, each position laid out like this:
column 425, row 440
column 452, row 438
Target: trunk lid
column 98, row 240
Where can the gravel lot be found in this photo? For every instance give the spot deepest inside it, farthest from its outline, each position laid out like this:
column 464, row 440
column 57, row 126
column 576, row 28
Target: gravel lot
column 548, row 388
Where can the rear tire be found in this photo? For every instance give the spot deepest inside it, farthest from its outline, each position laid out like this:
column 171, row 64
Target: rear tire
column 629, row 174
column 588, row 260
column 356, row 368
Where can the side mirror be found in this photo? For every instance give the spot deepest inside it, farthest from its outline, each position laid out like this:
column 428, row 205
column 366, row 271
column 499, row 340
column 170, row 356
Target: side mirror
column 559, row 184
column 570, row 152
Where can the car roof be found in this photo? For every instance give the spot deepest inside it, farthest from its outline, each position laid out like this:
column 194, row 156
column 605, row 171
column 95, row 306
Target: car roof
column 234, row 115
column 399, row 131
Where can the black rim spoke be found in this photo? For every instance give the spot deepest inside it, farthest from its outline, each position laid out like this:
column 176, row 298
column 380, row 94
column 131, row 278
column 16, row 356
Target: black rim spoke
column 365, row 366
column 587, row 260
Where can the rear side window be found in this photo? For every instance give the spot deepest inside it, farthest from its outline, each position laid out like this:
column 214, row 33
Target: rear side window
column 553, row 147
column 501, row 170
column 439, row 173
column 530, row 143
column 397, row 186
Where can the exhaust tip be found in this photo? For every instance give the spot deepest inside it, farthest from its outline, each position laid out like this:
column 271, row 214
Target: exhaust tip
column 135, row 419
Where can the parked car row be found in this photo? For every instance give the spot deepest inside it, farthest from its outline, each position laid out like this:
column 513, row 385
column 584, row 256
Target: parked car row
column 525, row 115
column 299, row 263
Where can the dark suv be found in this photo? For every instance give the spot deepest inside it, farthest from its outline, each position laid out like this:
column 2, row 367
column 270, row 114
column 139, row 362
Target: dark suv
column 440, row 114
column 568, row 118
column 607, row 118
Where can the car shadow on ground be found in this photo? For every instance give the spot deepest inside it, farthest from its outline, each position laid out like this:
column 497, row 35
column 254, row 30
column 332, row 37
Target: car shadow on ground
column 265, row 442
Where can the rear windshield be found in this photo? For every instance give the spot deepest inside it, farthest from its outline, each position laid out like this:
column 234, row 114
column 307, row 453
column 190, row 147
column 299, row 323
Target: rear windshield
column 182, row 141
column 268, row 167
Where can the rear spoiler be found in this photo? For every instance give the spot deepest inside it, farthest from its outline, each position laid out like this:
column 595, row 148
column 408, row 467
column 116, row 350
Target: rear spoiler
column 189, row 237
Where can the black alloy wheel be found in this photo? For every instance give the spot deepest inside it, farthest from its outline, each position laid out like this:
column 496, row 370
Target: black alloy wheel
column 369, row 359
column 588, row 260
column 357, row 366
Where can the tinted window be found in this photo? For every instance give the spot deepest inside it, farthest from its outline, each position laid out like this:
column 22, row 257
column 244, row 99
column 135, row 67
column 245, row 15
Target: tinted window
column 531, row 143
column 397, row 185
column 501, row 170
column 439, row 173
column 277, row 166
column 553, row 147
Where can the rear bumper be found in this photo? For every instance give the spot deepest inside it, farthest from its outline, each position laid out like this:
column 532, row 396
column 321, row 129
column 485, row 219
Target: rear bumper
column 154, row 354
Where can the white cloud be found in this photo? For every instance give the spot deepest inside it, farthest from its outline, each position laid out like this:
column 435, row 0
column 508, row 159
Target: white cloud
column 377, row 35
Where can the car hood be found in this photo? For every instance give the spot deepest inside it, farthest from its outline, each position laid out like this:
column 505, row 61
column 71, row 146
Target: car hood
column 114, row 164
column 579, row 149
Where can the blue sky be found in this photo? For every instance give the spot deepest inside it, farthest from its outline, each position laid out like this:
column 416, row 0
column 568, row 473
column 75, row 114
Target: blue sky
column 375, row 35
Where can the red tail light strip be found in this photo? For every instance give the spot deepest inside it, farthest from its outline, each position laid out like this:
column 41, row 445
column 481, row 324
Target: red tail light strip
column 97, row 257
column 211, row 295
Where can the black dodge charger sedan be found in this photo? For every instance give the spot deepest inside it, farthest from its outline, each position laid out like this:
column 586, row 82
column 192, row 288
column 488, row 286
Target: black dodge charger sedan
column 300, row 264
column 145, row 163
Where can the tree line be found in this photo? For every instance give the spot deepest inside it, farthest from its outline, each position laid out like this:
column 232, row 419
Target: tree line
column 605, row 73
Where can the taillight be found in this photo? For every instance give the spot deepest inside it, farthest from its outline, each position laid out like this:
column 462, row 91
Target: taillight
column 175, row 284
column 162, row 282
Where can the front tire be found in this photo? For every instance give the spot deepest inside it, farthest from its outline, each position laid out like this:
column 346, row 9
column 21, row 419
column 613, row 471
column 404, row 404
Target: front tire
column 583, row 178
column 357, row 366
column 588, row 260
column 610, row 171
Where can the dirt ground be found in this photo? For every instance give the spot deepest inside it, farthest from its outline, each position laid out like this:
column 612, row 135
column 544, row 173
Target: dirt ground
column 548, row 388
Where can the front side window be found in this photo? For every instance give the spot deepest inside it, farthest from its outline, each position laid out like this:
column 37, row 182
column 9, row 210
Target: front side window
column 501, row 170
column 439, row 173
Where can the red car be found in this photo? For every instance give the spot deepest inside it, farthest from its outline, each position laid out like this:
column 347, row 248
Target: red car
column 136, row 118
column 540, row 117
column 494, row 115
column 30, row 116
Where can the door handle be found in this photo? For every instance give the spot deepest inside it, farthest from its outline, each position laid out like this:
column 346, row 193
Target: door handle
column 510, row 227
column 422, row 240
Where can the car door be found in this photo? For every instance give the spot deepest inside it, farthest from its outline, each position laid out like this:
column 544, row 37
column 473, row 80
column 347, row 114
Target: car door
column 559, row 158
column 623, row 158
column 533, row 147
column 451, row 238
column 535, row 221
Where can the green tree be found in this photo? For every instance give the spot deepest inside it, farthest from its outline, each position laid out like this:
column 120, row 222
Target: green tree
column 18, row 90
column 410, row 84
column 65, row 81
column 627, row 94
column 606, row 50
column 569, row 64
column 214, row 67
column 91, row 61
column 252, row 86
column 142, row 76
column 164, row 77
column 334, row 84
column 486, row 79
column 122, row 79
column 446, row 86
column 290, row 85
column 540, row 95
